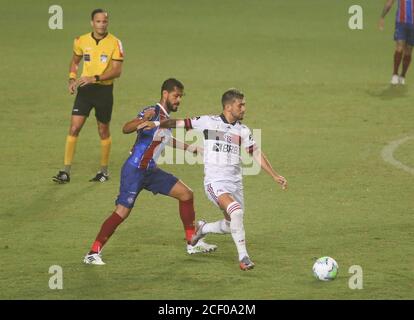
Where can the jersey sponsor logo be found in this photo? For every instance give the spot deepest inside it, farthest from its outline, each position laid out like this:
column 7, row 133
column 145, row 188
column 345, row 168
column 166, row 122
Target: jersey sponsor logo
column 226, row 148
column 86, row 57
column 104, row 58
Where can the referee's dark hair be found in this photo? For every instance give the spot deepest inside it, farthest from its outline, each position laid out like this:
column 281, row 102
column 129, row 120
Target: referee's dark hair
column 170, row 84
column 230, row 95
column 97, row 11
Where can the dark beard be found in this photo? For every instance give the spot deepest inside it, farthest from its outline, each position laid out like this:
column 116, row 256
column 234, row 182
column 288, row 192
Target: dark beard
column 170, row 107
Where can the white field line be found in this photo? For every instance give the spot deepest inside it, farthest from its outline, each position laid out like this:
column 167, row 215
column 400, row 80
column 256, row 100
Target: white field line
column 387, row 154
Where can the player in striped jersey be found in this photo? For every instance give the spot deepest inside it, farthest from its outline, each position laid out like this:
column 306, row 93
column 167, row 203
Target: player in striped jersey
column 224, row 136
column 140, row 172
column 403, row 36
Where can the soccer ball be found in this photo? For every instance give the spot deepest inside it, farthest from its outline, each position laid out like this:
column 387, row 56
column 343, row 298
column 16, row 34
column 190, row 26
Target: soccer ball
column 325, row 269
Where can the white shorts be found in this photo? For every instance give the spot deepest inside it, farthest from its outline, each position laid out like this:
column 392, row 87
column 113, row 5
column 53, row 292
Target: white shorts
column 214, row 189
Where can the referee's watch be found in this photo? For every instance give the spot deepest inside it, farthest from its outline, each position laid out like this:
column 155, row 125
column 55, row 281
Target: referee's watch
column 97, row 78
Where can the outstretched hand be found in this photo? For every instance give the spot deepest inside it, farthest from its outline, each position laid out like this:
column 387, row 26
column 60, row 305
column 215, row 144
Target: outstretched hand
column 83, row 81
column 147, row 125
column 148, row 114
column 282, row 181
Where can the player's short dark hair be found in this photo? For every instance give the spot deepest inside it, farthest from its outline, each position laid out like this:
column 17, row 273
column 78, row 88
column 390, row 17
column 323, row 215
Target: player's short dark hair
column 98, row 11
column 170, row 85
column 230, row 95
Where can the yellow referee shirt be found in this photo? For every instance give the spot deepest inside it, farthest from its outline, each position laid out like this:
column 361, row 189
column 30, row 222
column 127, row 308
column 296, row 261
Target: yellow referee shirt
column 98, row 54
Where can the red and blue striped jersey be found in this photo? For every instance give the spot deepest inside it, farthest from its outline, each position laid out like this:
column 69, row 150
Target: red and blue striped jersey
column 150, row 143
column 405, row 12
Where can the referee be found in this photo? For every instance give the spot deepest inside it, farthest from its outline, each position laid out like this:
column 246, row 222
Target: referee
column 102, row 55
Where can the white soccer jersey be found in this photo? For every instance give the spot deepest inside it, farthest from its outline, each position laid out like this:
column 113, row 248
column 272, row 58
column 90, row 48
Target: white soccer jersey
column 222, row 143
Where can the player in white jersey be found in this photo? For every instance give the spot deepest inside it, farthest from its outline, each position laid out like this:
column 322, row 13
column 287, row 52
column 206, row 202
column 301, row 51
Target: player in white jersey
column 224, row 136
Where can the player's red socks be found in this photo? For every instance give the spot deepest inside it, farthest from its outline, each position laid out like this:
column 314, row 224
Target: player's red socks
column 397, row 61
column 107, row 229
column 187, row 215
column 406, row 63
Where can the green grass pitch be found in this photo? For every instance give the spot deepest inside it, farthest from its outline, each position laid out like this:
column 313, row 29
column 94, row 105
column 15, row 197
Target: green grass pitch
column 318, row 90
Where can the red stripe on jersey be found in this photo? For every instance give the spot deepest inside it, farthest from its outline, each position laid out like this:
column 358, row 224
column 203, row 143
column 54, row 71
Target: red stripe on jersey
column 163, row 116
column 148, row 154
column 402, row 11
column 187, row 124
column 235, row 139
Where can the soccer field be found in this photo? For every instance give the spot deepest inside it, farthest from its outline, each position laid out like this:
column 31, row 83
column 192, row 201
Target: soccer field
column 318, row 91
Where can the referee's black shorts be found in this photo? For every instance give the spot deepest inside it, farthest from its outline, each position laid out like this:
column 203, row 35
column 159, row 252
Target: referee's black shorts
column 95, row 96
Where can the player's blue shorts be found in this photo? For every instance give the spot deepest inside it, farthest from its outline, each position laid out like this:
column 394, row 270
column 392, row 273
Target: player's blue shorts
column 405, row 32
column 134, row 179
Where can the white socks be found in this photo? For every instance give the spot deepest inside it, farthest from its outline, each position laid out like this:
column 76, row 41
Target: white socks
column 237, row 228
column 221, row 226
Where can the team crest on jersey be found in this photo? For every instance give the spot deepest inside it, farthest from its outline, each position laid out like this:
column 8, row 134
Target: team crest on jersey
column 86, row 57
column 104, row 58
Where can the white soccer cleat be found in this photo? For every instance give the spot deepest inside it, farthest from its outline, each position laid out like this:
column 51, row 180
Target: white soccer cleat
column 198, row 235
column 200, row 247
column 401, row 80
column 94, row 258
column 395, row 79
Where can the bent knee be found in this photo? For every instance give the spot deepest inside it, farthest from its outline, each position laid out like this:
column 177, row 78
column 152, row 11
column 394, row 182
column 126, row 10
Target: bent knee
column 104, row 134
column 74, row 131
column 187, row 195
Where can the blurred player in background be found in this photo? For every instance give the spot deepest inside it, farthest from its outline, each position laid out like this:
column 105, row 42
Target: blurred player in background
column 403, row 36
column 224, row 136
column 102, row 55
column 140, row 172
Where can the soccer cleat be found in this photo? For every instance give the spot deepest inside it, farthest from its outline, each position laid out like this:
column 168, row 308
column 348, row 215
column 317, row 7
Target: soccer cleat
column 198, row 234
column 61, row 177
column 395, row 79
column 94, row 258
column 200, row 247
column 246, row 264
column 100, row 177
column 401, row 80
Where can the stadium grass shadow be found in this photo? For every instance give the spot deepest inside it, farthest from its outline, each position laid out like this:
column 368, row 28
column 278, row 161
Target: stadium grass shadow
column 390, row 92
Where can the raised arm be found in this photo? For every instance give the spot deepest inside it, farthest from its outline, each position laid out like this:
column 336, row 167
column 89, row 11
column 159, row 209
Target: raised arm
column 133, row 125
column 177, row 144
column 387, row 7
column 260, row 157
column 170, row 123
